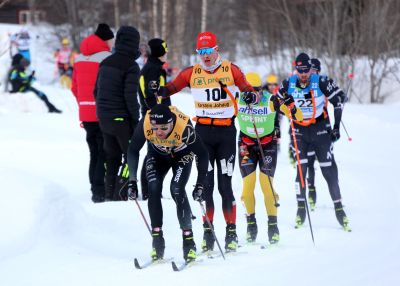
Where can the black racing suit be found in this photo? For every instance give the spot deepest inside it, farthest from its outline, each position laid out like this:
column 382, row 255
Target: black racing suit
column 317, row 137
column 220, row 143
column 159, row 160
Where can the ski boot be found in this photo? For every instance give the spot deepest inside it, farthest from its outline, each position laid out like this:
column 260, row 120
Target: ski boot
column 208, row 239
column 251, row 228
column 273, row 231
column 189, row 247
column 341, row 216
column 301, row 213
column 158, row 244
column 231, row 239
column 312, row 197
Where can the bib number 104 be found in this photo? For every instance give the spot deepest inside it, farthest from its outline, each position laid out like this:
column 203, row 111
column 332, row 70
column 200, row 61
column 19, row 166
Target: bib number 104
column 215, row 94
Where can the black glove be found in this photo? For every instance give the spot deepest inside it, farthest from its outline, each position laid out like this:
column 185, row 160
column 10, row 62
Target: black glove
column 289, row 102
column 335, row 134
column 153, row 86
column 249, row 97
column 132, row 190
column 32, row 76
column 198, row 193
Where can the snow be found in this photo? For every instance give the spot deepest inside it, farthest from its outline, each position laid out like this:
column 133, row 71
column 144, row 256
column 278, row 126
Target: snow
column 52, row 234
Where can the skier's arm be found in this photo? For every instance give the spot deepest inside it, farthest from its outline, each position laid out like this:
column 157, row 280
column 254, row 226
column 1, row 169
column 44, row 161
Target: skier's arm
column 335, row 96
column 195, row 145
column 240, row 79
column 180, row 82
column 281, row 99
column 136, row 143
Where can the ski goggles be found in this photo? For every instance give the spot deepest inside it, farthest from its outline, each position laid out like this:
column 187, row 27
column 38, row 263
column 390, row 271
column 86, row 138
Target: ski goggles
column 303, row 70
column 205, row 51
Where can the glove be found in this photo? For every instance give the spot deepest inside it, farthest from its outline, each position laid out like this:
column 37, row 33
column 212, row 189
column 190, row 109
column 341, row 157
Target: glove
column 335, row 134
column 132, row 190
column 249, row 97
column 198, row 193
column 153, row 86
column 289, row 102
column 32, row 76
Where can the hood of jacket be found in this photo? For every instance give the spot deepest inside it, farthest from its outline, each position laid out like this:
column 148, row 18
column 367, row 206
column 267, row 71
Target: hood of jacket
column 127, row 42
column 92, row 45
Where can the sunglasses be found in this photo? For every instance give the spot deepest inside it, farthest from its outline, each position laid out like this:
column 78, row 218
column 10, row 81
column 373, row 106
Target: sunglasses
column 205, row 51
column 163, row 128
column 303, row 71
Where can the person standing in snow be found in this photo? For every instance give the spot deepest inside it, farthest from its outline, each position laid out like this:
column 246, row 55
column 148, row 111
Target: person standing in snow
column 22, row 82
column 311, row 92
column 263, row 117
column 173, row 143
column 215, row 114
column 21, row 41
column 94, row 49
column 118, row 107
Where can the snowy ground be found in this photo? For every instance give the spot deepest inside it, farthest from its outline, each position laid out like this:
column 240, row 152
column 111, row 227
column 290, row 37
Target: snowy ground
column 52, row 234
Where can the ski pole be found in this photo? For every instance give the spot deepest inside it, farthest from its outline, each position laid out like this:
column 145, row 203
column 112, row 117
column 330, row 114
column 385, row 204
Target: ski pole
column 262, row 154
column 144, row 218
column 347, row 91
column 299, row 169
column 212, row 229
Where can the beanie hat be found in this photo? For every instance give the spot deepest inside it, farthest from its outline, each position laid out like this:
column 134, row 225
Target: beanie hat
column 253, row 79
column 303, row 62
column 316, row 64
column 104, row 32
column 160, row 114
column 206, row 40
column 158, row 47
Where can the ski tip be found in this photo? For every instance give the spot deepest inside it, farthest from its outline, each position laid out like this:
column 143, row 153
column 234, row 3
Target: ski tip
column 174, row 267
column 137, row 265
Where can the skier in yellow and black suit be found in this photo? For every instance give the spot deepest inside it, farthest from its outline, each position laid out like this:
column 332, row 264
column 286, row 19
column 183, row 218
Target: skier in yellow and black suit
column 173, row 144
column 261, row 116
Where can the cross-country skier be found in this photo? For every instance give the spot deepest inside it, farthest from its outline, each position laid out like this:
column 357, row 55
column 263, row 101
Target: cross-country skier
column 215, row 114
column 311, row 92
column 173, row 144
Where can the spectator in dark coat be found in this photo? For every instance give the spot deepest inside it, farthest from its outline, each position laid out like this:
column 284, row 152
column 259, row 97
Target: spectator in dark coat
column 94, row 49
column 117, row 105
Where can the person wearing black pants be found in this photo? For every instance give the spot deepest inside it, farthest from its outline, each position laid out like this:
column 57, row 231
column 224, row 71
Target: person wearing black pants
column 94, row 139
column 310, row 93
column 173, row 143
column 118, row 107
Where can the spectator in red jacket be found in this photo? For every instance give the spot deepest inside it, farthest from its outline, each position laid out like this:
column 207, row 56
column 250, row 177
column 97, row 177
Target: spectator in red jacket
column 94, row 49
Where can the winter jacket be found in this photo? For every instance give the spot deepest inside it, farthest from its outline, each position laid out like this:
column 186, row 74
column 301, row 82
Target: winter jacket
column 151, row 72
column 93, row 51
column 20, row 80
column 118, row 79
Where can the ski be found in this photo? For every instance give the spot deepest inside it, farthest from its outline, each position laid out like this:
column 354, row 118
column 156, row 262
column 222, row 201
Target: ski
column 346, row 228
column 179, row 267
column 150, row 262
